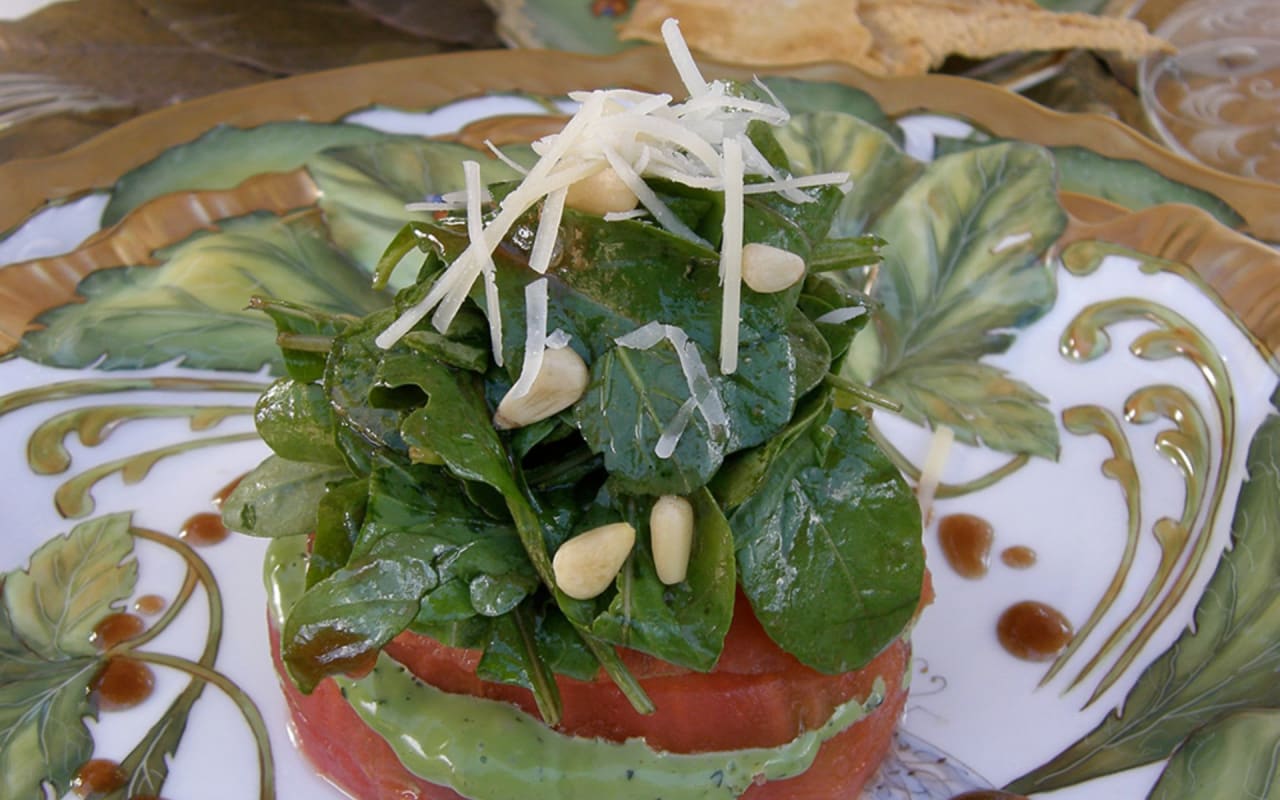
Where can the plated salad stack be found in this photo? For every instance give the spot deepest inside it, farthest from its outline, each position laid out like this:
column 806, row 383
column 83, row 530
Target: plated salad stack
column 586, row 509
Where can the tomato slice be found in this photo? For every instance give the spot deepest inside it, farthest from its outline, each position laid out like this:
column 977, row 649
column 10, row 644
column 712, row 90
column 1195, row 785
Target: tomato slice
column 757, row 696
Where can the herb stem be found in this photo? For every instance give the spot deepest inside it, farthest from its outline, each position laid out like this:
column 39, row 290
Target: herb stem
column 863, row 393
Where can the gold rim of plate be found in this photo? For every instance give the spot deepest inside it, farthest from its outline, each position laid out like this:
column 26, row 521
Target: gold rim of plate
column 1244, row 272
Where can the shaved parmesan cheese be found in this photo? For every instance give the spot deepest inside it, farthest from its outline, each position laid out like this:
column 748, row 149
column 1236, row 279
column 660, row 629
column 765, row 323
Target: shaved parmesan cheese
column 837, row 316
column 804, row 182
column 558, row 339
column 931, row 472
column 731, row 257
column 505, row 159
column 644, row 337
column 475, row 230
column 544, row 241
column 685, row 66
column 535, row 340
column 619, row 216
column 702, row 391
column 650, row 200
column 674, row 429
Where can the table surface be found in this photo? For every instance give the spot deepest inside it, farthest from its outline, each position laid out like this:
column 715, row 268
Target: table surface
column 72, row 69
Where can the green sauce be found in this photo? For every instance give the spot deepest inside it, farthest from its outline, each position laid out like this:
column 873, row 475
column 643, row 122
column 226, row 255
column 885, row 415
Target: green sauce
column 484, row 748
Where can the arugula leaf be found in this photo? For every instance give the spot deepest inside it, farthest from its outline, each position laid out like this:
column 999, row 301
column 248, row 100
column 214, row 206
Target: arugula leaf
column 338, row 519
column 512, row 656
column 47, row 658
column 367, row 420
column 684, row 623
column 965, row 267
column 297, row 325
column 1234, row 756
column 1227, row 661
column 279, row 497
column 829, row 551
column 296, row 422
column 193, row 308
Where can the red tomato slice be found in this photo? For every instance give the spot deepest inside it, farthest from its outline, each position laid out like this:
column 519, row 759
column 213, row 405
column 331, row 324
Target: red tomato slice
column 757, row 696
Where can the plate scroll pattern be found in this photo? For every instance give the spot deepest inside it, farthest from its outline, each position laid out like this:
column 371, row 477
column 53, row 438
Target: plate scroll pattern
column 133, row 241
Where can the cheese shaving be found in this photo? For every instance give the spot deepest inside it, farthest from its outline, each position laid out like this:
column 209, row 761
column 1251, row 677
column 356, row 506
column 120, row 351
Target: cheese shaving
column 475, row 230
column 731, row 257
column 544, row 241
column 836, row 316
column 931, row 472
column 670, row 436
column 535, row 340
column 650, row 200
column 505, row 159
column 685, row 66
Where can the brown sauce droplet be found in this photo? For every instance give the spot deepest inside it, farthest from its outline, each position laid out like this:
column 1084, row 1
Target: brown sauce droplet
column 203, row 529
column 1018, row 557
column 98, row 776
column 989, row 794
column 966, row 543
column 220, row 496
column 123, row 684
column 150, row 604
column 1033, row 631
column 117, row 628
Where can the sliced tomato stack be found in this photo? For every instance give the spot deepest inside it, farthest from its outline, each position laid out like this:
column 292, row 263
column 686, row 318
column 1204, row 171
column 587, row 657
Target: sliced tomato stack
column 757, row 696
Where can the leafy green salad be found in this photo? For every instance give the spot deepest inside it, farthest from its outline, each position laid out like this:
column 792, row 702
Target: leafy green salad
column 562, row 367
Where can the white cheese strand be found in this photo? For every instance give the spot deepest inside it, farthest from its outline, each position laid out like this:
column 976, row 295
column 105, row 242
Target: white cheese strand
column 475, row 230
column 702, row 392
column 803, row 182
column 558, row 339
column 731, row 257
column 505, row 159
column 685, row 66
column 535, row 339
column 544, row 241
column 836, row 316
column 644, row 337
column 674, row 429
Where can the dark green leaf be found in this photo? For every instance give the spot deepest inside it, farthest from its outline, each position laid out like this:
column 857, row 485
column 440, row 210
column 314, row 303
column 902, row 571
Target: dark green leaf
column 193, row 308
column 296, row 422
column 1234, row 756
column 338, row 520
column 279, row 497
column 684, row 623
column 829, row 549
column 966, row 265
column 824, row 294
column 345, row 619
column 744, row 473
column 633, row 397
column 297, row 324
column 512, row 656
column 366, row 420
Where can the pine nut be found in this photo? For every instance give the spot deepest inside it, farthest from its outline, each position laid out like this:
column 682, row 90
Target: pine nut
column 601, row 193
column 562, row 380
column 671, row 535
column 767, row 269
column 586, row 565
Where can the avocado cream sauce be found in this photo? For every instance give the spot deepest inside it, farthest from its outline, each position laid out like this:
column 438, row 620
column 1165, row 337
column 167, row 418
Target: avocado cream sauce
column 490, row 749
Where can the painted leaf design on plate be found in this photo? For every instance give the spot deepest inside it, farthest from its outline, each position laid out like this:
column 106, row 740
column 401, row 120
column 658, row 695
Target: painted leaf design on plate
column 1228, row 661
column 47, row 658
column 965, row 265
column 1231, row 757
column 832, row 141
column 194, row 306
column 364, row 188
column 225, row 157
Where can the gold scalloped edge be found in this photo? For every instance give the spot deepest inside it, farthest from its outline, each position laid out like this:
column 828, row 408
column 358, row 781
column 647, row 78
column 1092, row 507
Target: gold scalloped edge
column 30, row 288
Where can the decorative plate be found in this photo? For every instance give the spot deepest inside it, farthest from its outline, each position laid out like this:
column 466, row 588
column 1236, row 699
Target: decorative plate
column 1086, row 313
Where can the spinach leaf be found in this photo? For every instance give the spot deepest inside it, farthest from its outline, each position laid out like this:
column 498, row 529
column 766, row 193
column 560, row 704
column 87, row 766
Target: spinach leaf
column 827, row 293
column 684, row 623
column 279, row 497
column 303, row 334
column 633, row 396
column 366, row 419
column 296, row 422
column 829, row 549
